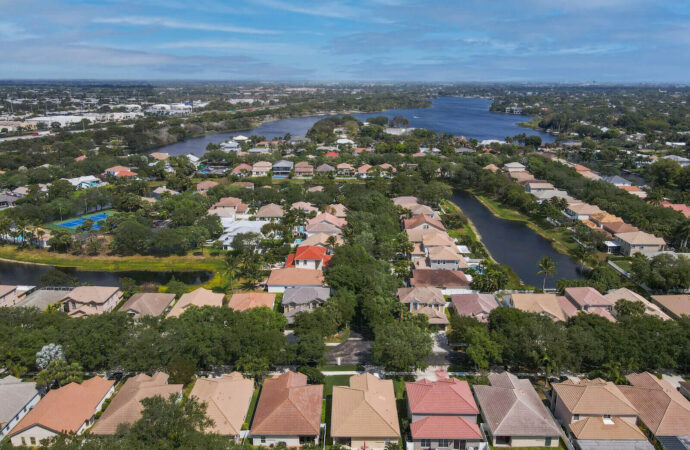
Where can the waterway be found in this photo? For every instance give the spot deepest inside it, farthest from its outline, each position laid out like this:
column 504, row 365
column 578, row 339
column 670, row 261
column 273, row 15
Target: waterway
column 30, row 274
column 460, row 116
column 514, row 244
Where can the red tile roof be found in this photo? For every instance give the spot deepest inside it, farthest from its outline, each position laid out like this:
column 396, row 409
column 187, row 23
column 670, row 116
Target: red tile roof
column 445, row 427
column 445, row 396
column 310, row 252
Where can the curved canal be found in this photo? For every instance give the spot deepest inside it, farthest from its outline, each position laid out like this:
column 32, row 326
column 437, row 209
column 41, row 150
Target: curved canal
column 514, row 244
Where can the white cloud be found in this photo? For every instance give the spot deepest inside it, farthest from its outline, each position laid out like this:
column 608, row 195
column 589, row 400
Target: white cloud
column 12, row 32
column 320, row 9
column 177, row 24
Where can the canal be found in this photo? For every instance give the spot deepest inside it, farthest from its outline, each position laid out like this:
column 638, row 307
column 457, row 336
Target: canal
column 514, row 244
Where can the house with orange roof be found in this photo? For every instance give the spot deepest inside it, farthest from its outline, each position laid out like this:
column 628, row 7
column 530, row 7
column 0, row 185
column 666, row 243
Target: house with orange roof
column 281, row 279
column 589, row 300
column 308, row 257
column 634, row 190
column 363, row 171
column 443, row 414
column 203, row 186
column 680, row 207
column 288, row 411
column 70, row 409
column 242, row 170
column 116, row 169
column 199, row 297
column 243, row 301
column 228, row 207
column 422, row 222
column 227, row 401
column 327, row 217
column 574, row 400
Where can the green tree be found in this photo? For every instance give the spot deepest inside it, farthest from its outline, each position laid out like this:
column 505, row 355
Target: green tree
column 59, row 373
column 625, row 308
column 401, row 346
column 547, row 267
column 254, row 365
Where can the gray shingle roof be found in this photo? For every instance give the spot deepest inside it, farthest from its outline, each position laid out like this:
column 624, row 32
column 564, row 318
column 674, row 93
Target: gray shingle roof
column 15, row 394
column 303, row 295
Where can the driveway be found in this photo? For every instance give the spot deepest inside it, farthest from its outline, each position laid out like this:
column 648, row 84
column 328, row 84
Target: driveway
column 356, row 350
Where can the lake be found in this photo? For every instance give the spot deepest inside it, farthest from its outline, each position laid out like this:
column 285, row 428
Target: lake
column 30, row 274
column 514, row 244
column 469, row 117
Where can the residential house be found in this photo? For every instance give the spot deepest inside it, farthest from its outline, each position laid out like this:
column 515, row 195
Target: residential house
column 574, row 400
column 7, row 201
column 303, row 299
column 337, row 209
column 8, row 295
column 684, row 388
column 521, row 177
column 418, row 210
column 244, row 184
column 243, row 301
column 204, row 186
column 616, row 180
column 386, row 170
column 603, row 217
column 282, row 168
column 281, row 279
column 329, row 218
column 288, row 411
column 320, row 239
column 640, row 242
column 89, row 300
column 406, row 201
column 363, row 171
column 199, row 297
column 589, row 300
column 538, row 186
column 661, row 408
column 116, row 169
column 227, row 401
column 594, row 433
column 580, row 211
column 308, row 257
column 680, row 207
column 315, row 189
column 305, row 207
column 425, row 300
column 556, row 307
column 18, row 398
column 345, row 170
column 126, row 407
column 675, row 306
column 69, row 409
column 443, row 414
column 242, row 170
column 147, row 304
column 364, row 414
column 634, row 190
column 627, row 294
column 159, row 156
column 678, row 159
column 228, row 207
column 270, row 212
column 325, row 169
column 160, row 191
column 492, row 168
column 445, row 257
column 514, row 414
column 618, row 227
column 304, row 170
column 514, row 167
column 474, row 305
column 423, row 222
column 449, row 281
column 261, row 169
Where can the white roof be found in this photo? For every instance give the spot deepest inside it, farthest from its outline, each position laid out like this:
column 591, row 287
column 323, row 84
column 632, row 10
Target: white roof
column 240, row 138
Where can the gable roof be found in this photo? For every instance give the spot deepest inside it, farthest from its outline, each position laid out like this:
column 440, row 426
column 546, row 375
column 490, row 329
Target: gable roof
column 91, row 294
column 291, row 276
column 126, row 407
column 586, row 296
column 288, row 406
column 597, row 397
column 511, row 407
column 205, row 185
column 148, row 303
column 337, row 209
column 270, row 211
column 445, row 427
column 613, row 429
column 420, row 220
column 445, row 396
column 640, row 238
column 439, row 278
column 242, row 301
column 627, row 294
column 198, row 297
column 327, row 217
column 305, row 294
column 310, row 253
column 678, row 305
column 76, row 403
column 473, row 304
column 365, row 408
column 227, row 401
column 550, row 305
column 15, row 395
column 422, row 294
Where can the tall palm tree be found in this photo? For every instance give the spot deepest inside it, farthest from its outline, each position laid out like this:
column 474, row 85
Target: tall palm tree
column 581, row 254
column 231, row 267
column 547, row 267
column 682, row 233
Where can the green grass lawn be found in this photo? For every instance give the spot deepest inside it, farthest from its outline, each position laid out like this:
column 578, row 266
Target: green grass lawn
column 252, row 409
column 336, row 368
column 335, row 380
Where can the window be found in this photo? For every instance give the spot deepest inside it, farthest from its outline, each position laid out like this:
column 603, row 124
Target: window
column 547, row 442
column 426, row 443
column 263, row 439
column 576, row 417
column 23, row 441
column 502, row 440
column 444, row 443
column 607, row 416
column 33, row 440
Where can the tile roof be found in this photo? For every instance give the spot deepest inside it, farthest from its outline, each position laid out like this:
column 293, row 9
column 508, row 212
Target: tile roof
column 422, row 294
column 627, row 294
column 303, row 295
column 445, row 396
column 227, row 401
column 126, row 407
column 511, row 407
column 295, row 277
column 337, row 209
column 596, row 397
column 242, row 301
column 678, row 305
column 586, row 297
column 618, row 227
column 198, row 297
column 420, row 220
column 288, row 406
column 365, row 408
column 319, row 239
column 205, row 185
column 329, row 218
column 550, row 305
column 439, row 278
column 148, row 303
column 67, row 408
column 270, row 211
column 445, row 427
column 310, row 253
column 473, row 304
column 406, row 200
column 91, row 294
column 640, row 238
column 598, row 428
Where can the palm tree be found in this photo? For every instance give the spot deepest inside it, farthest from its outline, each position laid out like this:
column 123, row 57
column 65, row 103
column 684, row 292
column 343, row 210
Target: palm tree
column 547, row 267
column 581, row 254
column 231, row 267
column 655, row 197
column 682, row 233
column 331, row 242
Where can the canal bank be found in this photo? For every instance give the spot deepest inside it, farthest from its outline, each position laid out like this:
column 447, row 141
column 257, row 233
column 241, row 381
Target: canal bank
column 511, row 242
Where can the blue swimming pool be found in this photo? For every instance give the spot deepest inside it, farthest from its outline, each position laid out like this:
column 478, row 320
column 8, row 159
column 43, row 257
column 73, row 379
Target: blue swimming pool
column 74, row 223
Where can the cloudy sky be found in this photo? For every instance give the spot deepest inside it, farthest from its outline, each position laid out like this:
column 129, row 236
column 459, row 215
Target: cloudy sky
column 367, row 40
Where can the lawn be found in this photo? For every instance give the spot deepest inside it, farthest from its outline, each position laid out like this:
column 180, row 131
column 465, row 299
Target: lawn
column 336, row 368
column 252, row 409
column 334, row 380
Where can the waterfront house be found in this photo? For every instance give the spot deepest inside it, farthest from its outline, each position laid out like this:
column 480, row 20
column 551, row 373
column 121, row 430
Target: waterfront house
column 443, row 414
column 147, row 304
column 227, row 401
column 640, row 242
column 288, row 411
column 556, row 307
column 303, row 299
column 514, row 414
column 580, row 211
column 281, row 279
column 242, row 170
column 423, row 222
column 325, row 169
column 474, row 305
column 534, row 187
column 89, row 300
column 261, row 169
column 589, row 300
column 8, row 295
column 18, row 398
column 126, row 407
column 405, row 201
column 199, row 297
column 675, row 306
column 445, row 257
column 425, row 300
column 282, row 168
column 448, row 281
column 270, row 212
column 204, row 186
column 243, row 301
column 627, row 294
column 364, row 414
column 70, row 409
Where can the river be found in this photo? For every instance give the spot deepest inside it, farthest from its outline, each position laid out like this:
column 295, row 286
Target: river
column 469, row 117
column 514, row 244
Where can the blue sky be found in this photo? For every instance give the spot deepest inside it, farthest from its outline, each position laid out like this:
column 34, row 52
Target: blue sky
column 329, row 40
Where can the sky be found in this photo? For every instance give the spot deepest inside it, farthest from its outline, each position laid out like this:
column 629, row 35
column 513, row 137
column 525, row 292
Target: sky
column 605, row 41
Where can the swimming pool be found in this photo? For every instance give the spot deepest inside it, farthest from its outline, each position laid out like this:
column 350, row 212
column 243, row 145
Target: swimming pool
column 74, row 223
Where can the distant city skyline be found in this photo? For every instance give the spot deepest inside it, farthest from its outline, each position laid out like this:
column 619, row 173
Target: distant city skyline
column 607, row 41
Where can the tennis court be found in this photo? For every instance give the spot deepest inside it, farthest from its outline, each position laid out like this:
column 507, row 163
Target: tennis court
column 74, row 223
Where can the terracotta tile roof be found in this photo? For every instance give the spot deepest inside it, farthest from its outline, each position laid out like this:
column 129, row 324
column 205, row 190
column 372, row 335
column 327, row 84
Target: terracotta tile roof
column 91, row 294
column 545, row 304
column 126, row 407
column 425, row 294
column 627, row 294
column 473, row 304
column 242, row 301
column 586, row 297
column 365, row 409
column 640, row 238
column 295, row 277
column 613, row 429
column 228, row 201
column 661, row 407
column 595, row 397
column 205, row 185
column 421, row 220
column 67, row 408
column 199, row 297
column 492, row 167
column 422, row 209
column 227, row 401
column 678, row 305
column 327, row 217
column 319, row 239
column 125, row 174
column 288, row 407
column 270, row 211
column 406, row 200
column 337, row 209
column 446, row 396
column 618, row 227
column 685, row 209
column 604, row 217
column 511, row 407
column 310, row 253
column 435, row 316
column 242, row 168
column 445, row 427
column 439, row 278
column 447, row 253
column 148, row 303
